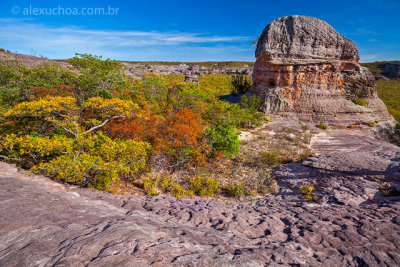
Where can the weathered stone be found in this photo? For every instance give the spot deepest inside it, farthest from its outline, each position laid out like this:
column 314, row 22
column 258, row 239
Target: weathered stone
column 45, row 223
column 305, row 69
column 301, row 37
column 191, row 78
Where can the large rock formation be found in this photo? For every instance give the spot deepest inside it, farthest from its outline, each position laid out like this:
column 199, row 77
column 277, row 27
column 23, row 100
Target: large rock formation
column 304, row 68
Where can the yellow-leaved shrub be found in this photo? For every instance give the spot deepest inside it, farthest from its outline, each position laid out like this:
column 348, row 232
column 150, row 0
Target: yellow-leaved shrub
column 99, row 163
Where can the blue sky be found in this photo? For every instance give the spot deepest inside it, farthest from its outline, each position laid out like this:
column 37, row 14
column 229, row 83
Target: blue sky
column 185, row 30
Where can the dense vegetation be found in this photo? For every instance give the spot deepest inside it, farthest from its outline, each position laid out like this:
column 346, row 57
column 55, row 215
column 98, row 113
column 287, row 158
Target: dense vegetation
column 93, row 126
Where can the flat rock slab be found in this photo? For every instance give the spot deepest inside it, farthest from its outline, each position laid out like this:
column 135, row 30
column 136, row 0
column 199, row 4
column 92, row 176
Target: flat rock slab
column 43, row 223
column 357, row 152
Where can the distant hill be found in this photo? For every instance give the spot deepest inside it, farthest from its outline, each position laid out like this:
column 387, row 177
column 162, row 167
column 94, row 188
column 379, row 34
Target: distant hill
column 378, row 68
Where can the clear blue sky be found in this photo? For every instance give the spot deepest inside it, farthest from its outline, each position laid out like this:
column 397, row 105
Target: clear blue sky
column 185, row 30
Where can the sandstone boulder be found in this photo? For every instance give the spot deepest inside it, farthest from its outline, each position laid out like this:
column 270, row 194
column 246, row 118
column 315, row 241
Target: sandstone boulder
column 304, row 68
column 191, row 78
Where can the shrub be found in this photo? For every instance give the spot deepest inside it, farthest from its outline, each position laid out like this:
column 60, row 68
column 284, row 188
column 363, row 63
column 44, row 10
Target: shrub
column 98, row 77
column 176, row 138
column 178, row 191
column 267, row 119
column 16, row 80
column 204, row 186
column 322, row 126
column 223, row 137
column 239, row 116
column 150, row 186
column 63, row 113
column 235, row 190
column 306, row 190
column 361, row 101
column 165, row 184
column 250, row 117
column 96, row 161
column 37, row 148
column 271, row 158
column 388, row 190
column 305, row 127
column 241, row 83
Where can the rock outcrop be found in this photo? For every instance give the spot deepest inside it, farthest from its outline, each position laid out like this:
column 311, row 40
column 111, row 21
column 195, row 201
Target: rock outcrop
column 191, row 78
column 304, row 68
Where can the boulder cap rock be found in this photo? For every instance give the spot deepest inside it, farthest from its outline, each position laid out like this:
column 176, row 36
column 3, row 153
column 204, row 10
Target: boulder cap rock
column 303, row 37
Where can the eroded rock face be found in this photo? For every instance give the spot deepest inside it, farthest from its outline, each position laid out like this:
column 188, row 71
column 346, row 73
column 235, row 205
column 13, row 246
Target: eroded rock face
column 304, row 68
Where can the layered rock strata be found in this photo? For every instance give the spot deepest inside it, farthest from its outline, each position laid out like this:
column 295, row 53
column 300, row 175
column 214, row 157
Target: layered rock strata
column 304, row 68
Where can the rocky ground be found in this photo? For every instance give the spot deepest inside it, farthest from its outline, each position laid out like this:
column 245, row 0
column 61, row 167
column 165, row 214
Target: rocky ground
column 349, row 222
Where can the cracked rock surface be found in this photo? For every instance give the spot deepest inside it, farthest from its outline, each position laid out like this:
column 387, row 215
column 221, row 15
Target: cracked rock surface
column 43, row 223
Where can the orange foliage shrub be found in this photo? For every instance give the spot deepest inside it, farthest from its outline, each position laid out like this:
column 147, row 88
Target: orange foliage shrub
column 62, row 90
column 176, row 139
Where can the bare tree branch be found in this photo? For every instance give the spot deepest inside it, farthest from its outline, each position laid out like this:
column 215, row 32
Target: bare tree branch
column 102, row 124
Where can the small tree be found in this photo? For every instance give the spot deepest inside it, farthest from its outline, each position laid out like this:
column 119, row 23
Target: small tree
column 65, row 114
column 97, row 77
column 241, row 83
column 75, row 151
column 223, row 137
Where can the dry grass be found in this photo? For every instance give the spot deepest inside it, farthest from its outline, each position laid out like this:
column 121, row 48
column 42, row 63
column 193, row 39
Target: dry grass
column 251, row 170
column 253, row 167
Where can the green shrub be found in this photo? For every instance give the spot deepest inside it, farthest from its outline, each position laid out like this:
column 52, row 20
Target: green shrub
column 240, row 116
column 271, row 158
column 306, row 190
column 16, row 80
column 322, row 126
column 267, row 119
column 249, row 114
column 153, row 186
column 178, row 191
column 235, row 190
column 305, row 127
column 223, row 137
column 241, row 83
column 98, row 77
column 204, row 186
column 361, row 101
column 150, row 186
